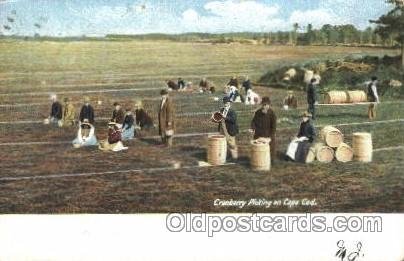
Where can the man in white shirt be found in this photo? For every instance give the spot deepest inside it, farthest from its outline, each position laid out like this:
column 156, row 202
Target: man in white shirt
column 373, row 97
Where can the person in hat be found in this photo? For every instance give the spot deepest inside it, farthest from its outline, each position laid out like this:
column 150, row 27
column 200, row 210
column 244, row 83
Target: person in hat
column 312, row 98
column 143, row 120
column 118, row 115
column 181, row 83
column 233, row 82
column 128, row 127
column 290, row 101
column 263, row 124
column 87, row 111
column 114, row 141
column 166, row 119
column 56, row 113
column 229, row 127
column 234, row 94
column 69, row 113
column 300, row 145
column 373, row 97
column 85, row 135
column 252, row 98
column 247, row 85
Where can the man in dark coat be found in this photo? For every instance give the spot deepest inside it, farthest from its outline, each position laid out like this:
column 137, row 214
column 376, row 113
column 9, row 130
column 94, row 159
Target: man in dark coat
column 290, row 101
column 247, row 84
column 87, row 112
column 166, row 119
column 56, row 113
column 264, row 124
column 300, row 146
column 118, row 115
column 229, row 127
column 373, row 97
column 181, row 83
column 312, row 98
column 233, row 82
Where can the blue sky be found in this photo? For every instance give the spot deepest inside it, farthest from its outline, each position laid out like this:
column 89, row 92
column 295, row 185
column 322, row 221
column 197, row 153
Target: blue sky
column 100, row 17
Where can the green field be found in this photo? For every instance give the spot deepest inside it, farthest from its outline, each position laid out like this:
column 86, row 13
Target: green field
column 41, row 173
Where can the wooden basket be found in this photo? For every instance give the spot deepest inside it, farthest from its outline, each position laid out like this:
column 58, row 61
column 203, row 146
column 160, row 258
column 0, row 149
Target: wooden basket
column 356, row 96
column 324, row 153
column 260, row 158
column 217, row 150
column 331, row 136
column 344, row 153
column 335, row 97
column 362, row 146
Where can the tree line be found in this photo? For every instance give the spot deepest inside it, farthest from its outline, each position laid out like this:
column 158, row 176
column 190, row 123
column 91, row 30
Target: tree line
column 329, row 35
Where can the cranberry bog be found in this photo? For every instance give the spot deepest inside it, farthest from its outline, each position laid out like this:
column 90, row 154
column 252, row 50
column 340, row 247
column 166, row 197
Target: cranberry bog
column 40, row 172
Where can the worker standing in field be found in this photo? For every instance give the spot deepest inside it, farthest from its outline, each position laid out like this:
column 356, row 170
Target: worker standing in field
column 69, row 113
column 263, row 125
column 229, row 127
column 373, row 97
column 290, row 101
column 181, row 83
column 56, row 113
column 312, row 98
column 166, row 119
column 247, row 84
column 87, row 112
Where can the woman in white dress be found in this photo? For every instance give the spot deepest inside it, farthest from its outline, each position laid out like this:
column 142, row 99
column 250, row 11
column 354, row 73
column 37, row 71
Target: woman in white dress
column 85, row 135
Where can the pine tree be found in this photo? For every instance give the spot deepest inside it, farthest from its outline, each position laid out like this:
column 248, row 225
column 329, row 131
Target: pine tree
column 392, row 24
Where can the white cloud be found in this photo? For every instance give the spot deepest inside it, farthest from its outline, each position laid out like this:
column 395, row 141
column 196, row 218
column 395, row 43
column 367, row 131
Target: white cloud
column 357, row 12
column 190, row 15
column 231, row 8
column 316, row 17
column 231, row 15
column 8, row 1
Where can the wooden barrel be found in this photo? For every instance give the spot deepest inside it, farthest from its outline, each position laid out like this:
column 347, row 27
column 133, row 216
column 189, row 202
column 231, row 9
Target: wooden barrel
column 217, row 149
column 356, row 96
column 311, row 155
column 362, row 146
column 324, row 153
column 334, row 97
column 344, row 153
column 260, row 158
column 331, row 136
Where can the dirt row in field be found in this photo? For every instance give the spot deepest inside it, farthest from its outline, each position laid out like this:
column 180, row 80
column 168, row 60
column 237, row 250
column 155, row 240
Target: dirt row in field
column 36, row 159
column 336, row 187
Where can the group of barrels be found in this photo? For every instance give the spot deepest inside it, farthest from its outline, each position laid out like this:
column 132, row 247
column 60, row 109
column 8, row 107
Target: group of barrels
column 333, row 146
column 337, row 97
column 260, row 156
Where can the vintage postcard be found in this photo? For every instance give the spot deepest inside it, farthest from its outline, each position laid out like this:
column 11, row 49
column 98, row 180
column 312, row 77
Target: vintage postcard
column 202, row 106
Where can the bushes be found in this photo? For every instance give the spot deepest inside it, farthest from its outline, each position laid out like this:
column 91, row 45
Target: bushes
column 350, row 73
